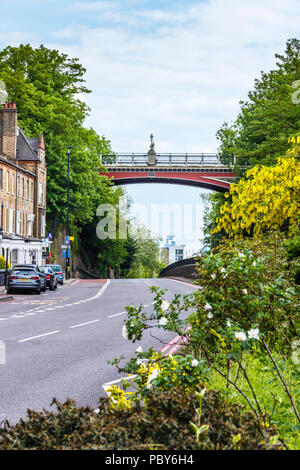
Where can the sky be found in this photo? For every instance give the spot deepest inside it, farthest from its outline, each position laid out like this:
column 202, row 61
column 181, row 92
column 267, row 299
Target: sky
column 175, row 68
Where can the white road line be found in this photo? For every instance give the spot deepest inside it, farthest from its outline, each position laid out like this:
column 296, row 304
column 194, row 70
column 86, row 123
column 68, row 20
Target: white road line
column 116, row 314
column 39, row 336
column 83, row 324
column 123, row 313
column 29, row 312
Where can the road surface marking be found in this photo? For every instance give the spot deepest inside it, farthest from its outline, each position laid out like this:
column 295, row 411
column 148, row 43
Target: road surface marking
column 29, row 312
column 116, row 314
column 39, row 336
column 86, row 323
column 123, row 313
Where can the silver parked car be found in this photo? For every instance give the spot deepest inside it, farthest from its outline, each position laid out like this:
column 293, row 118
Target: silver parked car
column 22, row 279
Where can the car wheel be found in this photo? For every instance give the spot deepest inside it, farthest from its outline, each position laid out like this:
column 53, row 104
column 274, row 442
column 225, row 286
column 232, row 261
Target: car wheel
column 51, row 287
column 44, row 288
column 38, row 291
column 8, row 291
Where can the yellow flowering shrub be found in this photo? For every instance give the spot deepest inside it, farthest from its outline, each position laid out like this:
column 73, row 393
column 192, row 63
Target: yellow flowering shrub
column 267, row 199
column 118, row 398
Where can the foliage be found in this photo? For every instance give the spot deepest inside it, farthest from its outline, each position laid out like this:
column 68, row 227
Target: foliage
column 272, row 397
column 247, row 304
column 267, row 199
column 3, row 263
column 164, row 423
column 269, row 116
column 213, row 203
column 48, row 88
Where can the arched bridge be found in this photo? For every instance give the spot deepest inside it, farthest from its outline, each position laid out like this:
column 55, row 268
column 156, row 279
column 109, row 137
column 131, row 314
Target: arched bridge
column 211, row 171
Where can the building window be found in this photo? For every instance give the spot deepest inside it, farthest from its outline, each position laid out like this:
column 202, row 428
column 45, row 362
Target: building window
column 43, row 225
column 14, row 257
column 18, row 230
column 11, row 220
column 1, row 179
column 7, row 182
column 40, row 194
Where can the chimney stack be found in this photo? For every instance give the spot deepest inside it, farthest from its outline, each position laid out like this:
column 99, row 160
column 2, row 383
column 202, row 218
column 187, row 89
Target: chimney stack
column 8, row 129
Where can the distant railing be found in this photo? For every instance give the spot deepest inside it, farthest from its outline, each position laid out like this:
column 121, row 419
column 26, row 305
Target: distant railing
column 174, row 159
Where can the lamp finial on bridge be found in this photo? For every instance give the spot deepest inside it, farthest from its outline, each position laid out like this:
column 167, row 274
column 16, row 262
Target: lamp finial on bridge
column 151, row 152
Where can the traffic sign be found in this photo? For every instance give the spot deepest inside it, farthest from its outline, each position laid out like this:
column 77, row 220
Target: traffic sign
column 66, row 254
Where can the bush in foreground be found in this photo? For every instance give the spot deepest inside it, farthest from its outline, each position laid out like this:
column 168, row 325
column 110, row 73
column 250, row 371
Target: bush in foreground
column 167, row 421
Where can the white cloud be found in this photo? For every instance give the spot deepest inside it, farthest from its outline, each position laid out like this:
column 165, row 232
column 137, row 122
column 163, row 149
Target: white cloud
column 182, row 78
column 14, row 38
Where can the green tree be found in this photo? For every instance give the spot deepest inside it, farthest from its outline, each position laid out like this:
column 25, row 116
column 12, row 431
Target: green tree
column 46, row 86
column 269, row 116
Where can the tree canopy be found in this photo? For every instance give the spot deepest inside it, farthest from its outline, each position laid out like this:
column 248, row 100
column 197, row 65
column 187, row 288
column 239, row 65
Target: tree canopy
column 47, row 86
column 270, row 115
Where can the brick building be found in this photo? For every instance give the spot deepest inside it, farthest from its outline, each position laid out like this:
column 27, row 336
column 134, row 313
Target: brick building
column 23, row 173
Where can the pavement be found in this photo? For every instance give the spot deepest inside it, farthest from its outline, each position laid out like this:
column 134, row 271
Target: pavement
column 58, row 344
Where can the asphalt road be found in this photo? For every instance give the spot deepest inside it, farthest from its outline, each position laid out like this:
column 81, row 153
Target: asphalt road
column 58, row 344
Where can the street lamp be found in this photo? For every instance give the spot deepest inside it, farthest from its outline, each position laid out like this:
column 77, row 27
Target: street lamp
column 68, row 211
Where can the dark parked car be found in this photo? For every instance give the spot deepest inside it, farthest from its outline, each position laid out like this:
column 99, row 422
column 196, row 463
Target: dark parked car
column 51, row 280
column 24, row 278
column 58, row 272
column 39, row 272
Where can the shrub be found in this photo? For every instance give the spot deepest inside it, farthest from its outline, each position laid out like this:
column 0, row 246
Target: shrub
column 3, row 263
column 163, row 423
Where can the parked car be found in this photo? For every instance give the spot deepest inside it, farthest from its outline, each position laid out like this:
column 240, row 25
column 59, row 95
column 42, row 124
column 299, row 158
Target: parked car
column 38, row 271
column 24, row 278
column 51, row 279
column 58, row 272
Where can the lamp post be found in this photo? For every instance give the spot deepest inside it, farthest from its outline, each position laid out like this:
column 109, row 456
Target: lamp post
column 1, row 234
column 68, row 213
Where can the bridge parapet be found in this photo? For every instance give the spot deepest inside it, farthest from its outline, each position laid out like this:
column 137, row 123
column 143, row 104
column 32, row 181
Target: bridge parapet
column 173, row 160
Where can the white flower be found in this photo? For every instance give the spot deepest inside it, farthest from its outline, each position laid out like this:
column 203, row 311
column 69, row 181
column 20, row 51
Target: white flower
column 245, row 291
column 139, row 349
column 228, row 324
column 164, row 305
column 154, row 374
column 207, row 307
column 241, row 255
column 139, row 362
column 163, row 321
column 254, row 263
column 194, row 363
column 213, row 276
column 210, row 316
column 125, row 332
column 240, row 336
column 254, row 333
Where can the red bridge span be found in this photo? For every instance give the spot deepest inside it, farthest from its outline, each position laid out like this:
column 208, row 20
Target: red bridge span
column 209, row 171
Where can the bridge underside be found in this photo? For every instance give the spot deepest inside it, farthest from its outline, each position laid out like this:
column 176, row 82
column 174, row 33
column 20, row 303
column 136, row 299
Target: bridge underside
column 216, row 181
